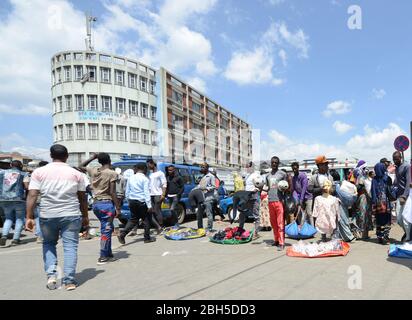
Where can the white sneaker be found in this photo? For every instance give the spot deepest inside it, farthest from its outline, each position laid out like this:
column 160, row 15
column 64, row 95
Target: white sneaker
column 51, row 283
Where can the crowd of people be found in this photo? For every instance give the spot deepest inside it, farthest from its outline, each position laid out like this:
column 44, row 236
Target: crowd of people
column 53, row 202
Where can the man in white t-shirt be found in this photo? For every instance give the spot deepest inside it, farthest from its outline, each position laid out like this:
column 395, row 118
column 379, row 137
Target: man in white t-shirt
column 157, row 187
column 63, row 210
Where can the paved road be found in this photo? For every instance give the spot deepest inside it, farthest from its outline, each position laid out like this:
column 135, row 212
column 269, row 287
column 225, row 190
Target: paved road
column 198, row 269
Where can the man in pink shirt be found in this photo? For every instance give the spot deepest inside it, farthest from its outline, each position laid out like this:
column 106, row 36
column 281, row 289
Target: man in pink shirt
column 63, row 210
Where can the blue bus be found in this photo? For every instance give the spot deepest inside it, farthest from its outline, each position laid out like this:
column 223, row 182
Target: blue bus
column 191, row 176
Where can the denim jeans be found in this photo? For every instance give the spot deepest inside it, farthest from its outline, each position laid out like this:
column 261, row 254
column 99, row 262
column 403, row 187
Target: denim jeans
column 69, row 228
column 105, row 212
column 37, row 220
column 14, row 211
column 174, row 201
column 406, row 226
column 208, row 207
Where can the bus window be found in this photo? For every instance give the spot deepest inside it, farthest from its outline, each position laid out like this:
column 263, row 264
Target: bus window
column 185, row 175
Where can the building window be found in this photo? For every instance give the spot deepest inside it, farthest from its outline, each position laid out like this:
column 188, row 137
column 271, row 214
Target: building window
column 78, row 56
column 121, row 133
column 107, row 132
column 154, row 138
column 133, row 107
column 54, row 106
column 61, row 133
column 211, row 116
column 119, row 76
column 80, row 131
column 79, row 102
column 78, row 73
column 196, row 107
column 68, row 100
column 59, row 74
column 177, row 122
column 153, row 111
column 91, row 56
column 93, row 131
column 91, row 72
column 105, row 75
column 69, row 131
column 177, row 96
column 55, row 134
column 143, row 84
column 60, row 104
column 67, row 74
column 92, row 99
column 106, row 104
column 152, row 86
column 53, row 78
column 67, row 57
column 132, row 80
column 145, row 110
column 145, row 136
column 120, row 105
column 134, row 135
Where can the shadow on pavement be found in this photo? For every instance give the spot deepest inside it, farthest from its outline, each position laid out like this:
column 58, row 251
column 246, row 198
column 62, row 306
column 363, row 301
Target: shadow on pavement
column 121, row 255
column 86, row 275
column 402, row 261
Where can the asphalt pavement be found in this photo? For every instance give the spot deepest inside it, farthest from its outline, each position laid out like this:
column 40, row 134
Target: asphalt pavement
column 199, row 269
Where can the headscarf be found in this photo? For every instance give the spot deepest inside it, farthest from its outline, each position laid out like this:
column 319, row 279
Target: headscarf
column 379, row 182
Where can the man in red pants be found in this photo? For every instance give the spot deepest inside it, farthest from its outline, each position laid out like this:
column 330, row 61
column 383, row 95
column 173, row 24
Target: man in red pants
column 277, row 219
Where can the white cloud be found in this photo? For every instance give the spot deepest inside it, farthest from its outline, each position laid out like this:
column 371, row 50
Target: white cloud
column 378, row 94
column 283, row 56
column 31, row 110
column 250, row 67
column 257, row 65
column 341, row 127
column 371, row 145
column 337, row 107
column 14, row 142
column 276, row 2
column 198, row 84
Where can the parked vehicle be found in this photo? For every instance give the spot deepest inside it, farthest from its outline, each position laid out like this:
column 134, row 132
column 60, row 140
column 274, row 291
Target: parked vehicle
column 191, row 176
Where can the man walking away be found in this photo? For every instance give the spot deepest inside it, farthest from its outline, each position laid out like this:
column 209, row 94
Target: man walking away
column 157, row 187
column 402, row 187
column 174, row 190
column 277, row 218
column 105, row 205
column 138, row 195
column 208, row 185
column 12, row 189
column 62, row 197
column 301, row 193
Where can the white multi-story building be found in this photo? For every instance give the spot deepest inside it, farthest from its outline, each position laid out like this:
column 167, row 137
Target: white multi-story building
column 103, row 103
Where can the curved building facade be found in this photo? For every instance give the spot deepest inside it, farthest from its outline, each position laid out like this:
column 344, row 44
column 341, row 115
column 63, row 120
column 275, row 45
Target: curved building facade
column 103, row 103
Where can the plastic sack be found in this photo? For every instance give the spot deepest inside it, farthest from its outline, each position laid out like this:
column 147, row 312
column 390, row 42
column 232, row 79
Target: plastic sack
column 294, row 231
column 400, row 251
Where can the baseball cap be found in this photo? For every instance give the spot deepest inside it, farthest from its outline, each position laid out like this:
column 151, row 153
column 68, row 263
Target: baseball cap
column 321, row 159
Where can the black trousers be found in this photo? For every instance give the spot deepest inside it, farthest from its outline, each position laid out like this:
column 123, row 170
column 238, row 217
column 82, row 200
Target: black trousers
column 138, row 211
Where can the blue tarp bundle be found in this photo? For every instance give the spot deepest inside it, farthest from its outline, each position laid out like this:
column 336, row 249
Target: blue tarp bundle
column 400, row 251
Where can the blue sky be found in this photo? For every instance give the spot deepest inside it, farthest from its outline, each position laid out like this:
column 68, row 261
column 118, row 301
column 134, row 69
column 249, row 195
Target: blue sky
column 278, row 64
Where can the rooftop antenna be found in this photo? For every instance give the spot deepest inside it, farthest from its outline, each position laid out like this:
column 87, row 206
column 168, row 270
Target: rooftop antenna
column 89, row 21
